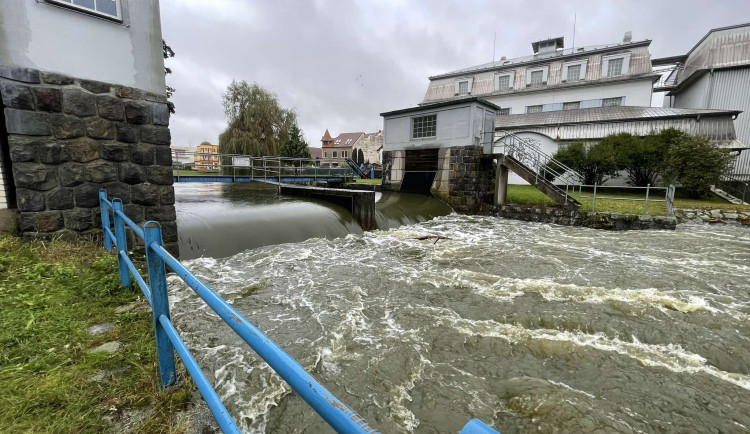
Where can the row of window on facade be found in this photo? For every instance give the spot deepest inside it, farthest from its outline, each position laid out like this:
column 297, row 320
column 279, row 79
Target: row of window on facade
column 338, row 141
column 612, row 66
column 335, row 154
column 110, row 9
column 572, row 105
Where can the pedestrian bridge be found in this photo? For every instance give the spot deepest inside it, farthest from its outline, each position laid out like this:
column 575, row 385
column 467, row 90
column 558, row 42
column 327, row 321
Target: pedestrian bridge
column 214, row 167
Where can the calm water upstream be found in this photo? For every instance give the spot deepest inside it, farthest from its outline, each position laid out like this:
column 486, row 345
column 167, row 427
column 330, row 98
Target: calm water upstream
column 530, row 327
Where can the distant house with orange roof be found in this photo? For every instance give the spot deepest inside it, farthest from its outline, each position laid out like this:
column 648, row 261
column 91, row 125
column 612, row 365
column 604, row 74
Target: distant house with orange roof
column 337, row 150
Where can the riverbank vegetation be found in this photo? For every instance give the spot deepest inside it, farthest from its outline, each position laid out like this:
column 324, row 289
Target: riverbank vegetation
column 51, row 293
column 529, row 195
column 692, row 162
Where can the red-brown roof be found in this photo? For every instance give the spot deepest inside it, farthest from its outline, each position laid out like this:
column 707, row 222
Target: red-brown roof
column 326, row 136
column 344, row 140
column 315, row 152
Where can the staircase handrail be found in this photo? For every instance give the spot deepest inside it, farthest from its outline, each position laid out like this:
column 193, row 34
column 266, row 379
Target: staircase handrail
column 528, row 152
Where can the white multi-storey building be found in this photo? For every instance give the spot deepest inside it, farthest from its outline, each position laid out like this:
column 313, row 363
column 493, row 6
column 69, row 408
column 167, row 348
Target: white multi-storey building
column 555, row 78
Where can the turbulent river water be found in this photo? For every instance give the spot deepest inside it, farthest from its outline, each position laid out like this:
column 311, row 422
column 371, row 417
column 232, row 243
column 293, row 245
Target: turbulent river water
column 529, row 327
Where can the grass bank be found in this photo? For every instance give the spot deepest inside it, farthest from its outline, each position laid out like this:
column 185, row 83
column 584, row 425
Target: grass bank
column 376, row 181
column 529, row 195
column 51, row 293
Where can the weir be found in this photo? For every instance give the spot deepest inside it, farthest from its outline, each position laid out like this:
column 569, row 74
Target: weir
column 360, row 203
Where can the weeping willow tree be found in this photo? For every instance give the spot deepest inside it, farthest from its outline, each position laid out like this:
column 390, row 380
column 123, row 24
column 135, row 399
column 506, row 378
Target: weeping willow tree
column 256, row 124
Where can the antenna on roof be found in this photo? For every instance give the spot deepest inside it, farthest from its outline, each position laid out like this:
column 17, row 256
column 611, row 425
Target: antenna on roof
column 494, row 42
column 573, row 48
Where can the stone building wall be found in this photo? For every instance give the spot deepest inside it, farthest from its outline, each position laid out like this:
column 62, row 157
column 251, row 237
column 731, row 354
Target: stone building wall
column 464, row 179
column 595, row 220
column 470, row 179
column 68, row 138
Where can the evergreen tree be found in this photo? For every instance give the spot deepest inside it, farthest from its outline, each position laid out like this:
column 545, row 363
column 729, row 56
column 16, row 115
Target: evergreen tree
column 354, row 155
column 295, row 146
column 360, row 156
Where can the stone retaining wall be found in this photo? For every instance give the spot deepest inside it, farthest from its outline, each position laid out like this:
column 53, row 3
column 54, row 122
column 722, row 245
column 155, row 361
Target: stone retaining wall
column 561, row 216
column 713, row 216
column 68, row 138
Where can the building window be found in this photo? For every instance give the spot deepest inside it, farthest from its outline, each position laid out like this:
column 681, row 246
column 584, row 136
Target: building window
column 537, row 77
column 424, row 126
column 571, row 105
column 104, row 8
column 534, row 109
column 334, row 164
column 615, row 67
column 574, row 73
column 611, row 102
column 348, row 141
column 504, row 111
column 335, row 154
column 337, row 142
column 344, row 154
column 503, row 82
column 463, row 88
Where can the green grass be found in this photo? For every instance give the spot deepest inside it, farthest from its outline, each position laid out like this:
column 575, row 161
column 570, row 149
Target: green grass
column 529, row 195
column 375, row 181
column 50, row 293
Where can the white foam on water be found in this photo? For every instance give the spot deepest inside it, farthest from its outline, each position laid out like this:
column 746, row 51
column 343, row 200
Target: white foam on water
column 669, row 356
column 565, row 386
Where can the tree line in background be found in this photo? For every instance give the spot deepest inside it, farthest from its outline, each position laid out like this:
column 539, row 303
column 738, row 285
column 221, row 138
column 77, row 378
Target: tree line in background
column 257, row 124
column 692, row 162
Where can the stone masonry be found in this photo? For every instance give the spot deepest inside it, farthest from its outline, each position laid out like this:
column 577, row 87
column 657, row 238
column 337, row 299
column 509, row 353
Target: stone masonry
column 68, row 138
column 470, row 179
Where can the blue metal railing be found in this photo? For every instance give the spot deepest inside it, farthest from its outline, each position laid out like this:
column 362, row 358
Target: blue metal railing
column 331, row 409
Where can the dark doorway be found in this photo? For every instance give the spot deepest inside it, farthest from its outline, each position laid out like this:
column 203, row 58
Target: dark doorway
column 420, row 167
column 7, row 170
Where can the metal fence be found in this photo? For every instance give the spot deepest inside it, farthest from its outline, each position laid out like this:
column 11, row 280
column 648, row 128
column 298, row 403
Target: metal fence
column 648, row 196
column 238, row 165
column 168, row 341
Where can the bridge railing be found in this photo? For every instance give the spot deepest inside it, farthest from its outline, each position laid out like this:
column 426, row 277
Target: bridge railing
column 238, row 165
column 168, row 340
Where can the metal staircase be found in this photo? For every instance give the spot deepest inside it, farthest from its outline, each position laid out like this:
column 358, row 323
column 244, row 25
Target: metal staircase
column 525, row 158
column 356, row 168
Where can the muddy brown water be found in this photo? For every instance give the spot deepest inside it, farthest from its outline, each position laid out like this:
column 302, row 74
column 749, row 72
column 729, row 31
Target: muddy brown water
column 529, row 327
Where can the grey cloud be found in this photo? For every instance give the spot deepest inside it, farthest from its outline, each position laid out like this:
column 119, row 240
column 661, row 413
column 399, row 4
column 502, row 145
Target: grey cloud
column 340, row 63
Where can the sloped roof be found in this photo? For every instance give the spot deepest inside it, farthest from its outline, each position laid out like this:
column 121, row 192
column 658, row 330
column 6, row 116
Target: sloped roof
column 340, row 141
column 315, row 152
column 542, row 58
column 603, row 114
column 326, row 136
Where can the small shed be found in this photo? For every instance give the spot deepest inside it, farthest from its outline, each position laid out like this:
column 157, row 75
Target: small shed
column 418, row 142
column 464, row 122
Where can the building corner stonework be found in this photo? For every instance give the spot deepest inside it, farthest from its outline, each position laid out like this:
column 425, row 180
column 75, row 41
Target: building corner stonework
column 69, row 138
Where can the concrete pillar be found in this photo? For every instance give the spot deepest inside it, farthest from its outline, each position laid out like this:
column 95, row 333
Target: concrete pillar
column 501, row 184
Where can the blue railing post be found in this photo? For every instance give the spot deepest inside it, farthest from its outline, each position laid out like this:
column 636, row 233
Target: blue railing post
column 157, row 280
column 105, row 219
column 121, row 242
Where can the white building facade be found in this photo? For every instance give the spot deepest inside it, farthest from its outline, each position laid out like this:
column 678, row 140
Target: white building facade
column 555, row 78
column 714, row 74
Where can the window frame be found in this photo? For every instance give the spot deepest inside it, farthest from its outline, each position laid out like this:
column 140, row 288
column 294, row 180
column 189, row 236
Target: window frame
column 577, row 105
column 624, row 70
column 460, row 85
column 423, row 116
column 541, row 108
column 335, row 154
column 545, row 75
column 540, row 75
column 616, row 98
column 508, row 85
column 93, row 12
column 504, row 111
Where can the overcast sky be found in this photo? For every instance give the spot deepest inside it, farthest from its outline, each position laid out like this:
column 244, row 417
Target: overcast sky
column 340, row 63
